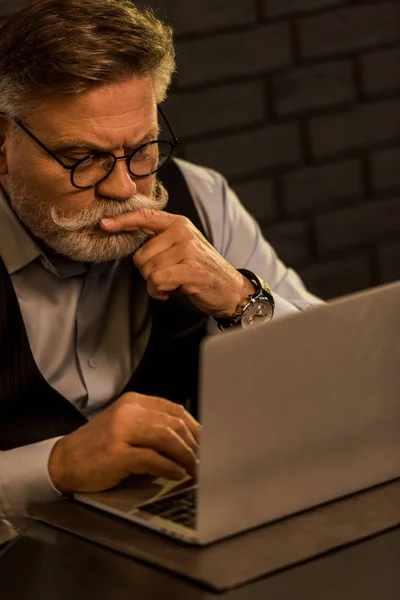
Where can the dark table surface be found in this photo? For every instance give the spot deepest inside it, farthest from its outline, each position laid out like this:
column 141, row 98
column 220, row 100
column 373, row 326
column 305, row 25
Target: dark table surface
column 47, row 564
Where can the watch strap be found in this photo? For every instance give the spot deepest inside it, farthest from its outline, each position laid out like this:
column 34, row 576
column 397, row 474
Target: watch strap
column 261, row 288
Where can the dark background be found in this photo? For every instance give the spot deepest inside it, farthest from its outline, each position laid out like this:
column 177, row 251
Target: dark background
column 297, row 103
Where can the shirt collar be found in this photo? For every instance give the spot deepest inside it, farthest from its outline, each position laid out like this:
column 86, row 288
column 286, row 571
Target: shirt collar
column 17, row 247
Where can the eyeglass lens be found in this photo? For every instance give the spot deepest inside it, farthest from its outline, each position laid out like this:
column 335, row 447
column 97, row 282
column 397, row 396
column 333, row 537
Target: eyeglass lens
column 143, row 163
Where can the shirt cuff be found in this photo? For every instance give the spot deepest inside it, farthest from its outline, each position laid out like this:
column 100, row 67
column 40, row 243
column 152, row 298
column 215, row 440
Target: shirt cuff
column 285, row 307
column 25, row 481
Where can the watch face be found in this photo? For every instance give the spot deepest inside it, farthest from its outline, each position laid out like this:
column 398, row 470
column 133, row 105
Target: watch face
column 258, row 311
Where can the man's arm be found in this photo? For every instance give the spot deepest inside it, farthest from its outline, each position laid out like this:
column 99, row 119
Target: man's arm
column 238, row 238
column 24, row 480
column 177, row 258
column 135, row 435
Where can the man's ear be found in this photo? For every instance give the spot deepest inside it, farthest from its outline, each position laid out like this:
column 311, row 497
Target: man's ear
column 4, row 139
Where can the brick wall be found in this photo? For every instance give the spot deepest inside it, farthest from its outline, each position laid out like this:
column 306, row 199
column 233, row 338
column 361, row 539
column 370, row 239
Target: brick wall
column 297, row 103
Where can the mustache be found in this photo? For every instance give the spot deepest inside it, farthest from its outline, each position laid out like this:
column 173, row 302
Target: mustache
column 90, row 217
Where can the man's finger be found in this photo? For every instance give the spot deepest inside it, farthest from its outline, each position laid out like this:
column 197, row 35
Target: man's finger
column 151, row 222
column 182, row 277
column 171, row 408
column 157, row 419
column 160, row 250
column 144, row 461
column 166, row 441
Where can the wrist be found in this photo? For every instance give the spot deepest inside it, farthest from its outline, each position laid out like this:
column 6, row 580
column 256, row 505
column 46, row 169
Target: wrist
column 248, row 290
column 245, row 288
column 256, row 306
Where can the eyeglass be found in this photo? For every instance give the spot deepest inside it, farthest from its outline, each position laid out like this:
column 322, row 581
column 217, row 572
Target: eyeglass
column 93, row 169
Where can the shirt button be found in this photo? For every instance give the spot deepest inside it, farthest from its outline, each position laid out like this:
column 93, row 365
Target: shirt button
column 92, row 363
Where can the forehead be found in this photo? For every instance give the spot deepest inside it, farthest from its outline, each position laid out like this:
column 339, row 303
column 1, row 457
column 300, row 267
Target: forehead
column 111, row 115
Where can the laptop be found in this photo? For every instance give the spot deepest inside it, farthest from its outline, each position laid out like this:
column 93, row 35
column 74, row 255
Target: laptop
column 295, row 413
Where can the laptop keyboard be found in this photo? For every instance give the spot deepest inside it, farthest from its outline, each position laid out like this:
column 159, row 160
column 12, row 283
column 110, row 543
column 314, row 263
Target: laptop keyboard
column 180, row 508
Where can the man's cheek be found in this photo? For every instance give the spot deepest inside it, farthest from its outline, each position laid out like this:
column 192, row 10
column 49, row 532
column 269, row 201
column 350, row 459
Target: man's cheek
column 146, row 186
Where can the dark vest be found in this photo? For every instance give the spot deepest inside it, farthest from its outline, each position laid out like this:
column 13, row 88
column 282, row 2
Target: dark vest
column 31, row 410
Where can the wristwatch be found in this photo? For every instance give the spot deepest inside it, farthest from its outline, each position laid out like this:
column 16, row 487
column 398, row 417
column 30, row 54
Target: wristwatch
column 256, row 308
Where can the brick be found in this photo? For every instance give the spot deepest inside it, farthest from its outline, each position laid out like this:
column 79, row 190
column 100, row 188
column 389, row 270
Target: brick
column 358, row 225
column 389, row 262
column 199, row 16
column 349, row 29
column 222, row 57
column 358, row 128
column 289, row 240
column 248, row 153
column 385, row 166
column 215, row 109
column 381, row 71
column 315, row 188
column 278, row 8
column 320, row 86
column 338, row 277
column 258, row 197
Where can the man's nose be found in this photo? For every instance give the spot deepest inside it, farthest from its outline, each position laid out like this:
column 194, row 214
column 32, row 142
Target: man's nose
column 119, row 185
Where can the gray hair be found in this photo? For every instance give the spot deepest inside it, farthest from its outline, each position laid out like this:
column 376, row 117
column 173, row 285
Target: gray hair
column 60, row 47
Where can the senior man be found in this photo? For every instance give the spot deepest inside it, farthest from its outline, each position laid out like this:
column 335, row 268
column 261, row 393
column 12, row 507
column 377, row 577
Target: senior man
column 114, row 262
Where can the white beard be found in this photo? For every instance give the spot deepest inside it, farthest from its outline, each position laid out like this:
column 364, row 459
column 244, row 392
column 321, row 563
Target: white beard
column 78, row 236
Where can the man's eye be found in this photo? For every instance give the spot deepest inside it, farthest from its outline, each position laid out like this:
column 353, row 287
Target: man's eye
column 146, row 152
column 75, row 158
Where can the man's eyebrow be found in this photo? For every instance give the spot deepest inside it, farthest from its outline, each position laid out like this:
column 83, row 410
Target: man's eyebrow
column 80, row 144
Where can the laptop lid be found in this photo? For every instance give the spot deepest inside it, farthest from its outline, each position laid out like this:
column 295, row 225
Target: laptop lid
column 299, row 411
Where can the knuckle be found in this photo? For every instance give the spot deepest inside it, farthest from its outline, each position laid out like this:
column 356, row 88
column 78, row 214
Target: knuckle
column 147, row 213
column 119, row 410
column 132, row 401
column 130, row 410
column 146, row 271
column 128, row 398
column 157, row 277
column 183, row 221
column 119, row 419
column 192, row 289
column 164, row 433
column 178, row 411
column 181, row 428
column 187, row 233
column 135, row 412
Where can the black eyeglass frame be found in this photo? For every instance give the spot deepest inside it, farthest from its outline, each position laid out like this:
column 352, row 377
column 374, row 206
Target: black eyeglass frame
column 127, row 157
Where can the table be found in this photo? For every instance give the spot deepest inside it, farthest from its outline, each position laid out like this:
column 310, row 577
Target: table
column 45, row 563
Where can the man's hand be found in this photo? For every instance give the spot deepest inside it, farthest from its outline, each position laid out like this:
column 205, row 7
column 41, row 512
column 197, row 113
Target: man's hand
column 136, row 435
column 178, row 259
